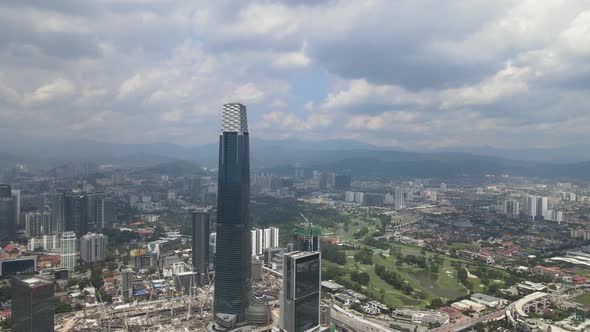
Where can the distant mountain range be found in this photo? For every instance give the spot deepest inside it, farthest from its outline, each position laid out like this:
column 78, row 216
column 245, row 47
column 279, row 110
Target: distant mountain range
column 342, row 155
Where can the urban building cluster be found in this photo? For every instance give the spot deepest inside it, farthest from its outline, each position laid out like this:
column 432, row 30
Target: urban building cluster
column 175, row 248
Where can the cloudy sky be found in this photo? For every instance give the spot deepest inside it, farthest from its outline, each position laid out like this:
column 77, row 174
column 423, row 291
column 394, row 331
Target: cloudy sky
column 416, row 74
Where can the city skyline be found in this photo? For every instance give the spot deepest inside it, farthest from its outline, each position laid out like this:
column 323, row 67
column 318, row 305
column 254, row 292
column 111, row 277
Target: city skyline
column 295, row 165
column 502, row 72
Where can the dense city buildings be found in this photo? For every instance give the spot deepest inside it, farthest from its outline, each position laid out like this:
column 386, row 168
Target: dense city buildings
column 93, row 248
column 300, row 302
column 233, row 285
column 33, row 305
column 200, row 246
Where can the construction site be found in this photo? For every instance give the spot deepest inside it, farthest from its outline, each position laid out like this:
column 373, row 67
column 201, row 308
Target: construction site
column 187, row 310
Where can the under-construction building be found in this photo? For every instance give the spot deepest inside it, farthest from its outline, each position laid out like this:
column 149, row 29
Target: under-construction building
column 306, row 237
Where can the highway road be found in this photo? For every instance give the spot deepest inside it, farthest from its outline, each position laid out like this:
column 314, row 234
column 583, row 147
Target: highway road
column 471, row 322
column 350, row 321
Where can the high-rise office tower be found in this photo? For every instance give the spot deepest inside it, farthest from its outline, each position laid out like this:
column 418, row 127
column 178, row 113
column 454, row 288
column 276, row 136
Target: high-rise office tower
column 33, row 305
column 195, row 189
column 443, row 187
column 200, row 246
column 67, row 245
column 95, row 209
column 56, row 205
column 300, row 300
column 93, row 248
column 16, row 196
column 7, row 214
column 38, row 224
column 76, row 214
column 306, row 237
column 233, row 286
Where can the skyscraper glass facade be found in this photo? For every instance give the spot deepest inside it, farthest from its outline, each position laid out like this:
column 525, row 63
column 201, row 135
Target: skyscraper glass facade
column 233, row 250
column 300, row 305
column 7, row 214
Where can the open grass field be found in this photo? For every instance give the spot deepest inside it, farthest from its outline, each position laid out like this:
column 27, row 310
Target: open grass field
column 444, row 284
column 461, row 246
column 583, row 299
column 583, row 272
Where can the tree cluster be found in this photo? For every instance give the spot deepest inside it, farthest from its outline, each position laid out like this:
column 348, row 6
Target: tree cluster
column 364, row 256
column 333, row 253
column 360, row 277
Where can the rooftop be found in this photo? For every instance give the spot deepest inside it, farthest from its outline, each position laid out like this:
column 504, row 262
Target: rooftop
column 331, row 285
column 485, row 297
column 35, row 282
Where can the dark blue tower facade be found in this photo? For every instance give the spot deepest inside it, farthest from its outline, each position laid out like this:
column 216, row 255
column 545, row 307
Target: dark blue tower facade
column 233, row 286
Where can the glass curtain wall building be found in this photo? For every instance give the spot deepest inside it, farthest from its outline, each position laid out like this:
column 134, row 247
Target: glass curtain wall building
column 300, row 302
column 233, row 285
column 7, row 214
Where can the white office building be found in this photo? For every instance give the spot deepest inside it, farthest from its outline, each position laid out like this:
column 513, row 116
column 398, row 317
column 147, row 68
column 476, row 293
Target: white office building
column 68, row 250
column 38, row 224
column 44, row 243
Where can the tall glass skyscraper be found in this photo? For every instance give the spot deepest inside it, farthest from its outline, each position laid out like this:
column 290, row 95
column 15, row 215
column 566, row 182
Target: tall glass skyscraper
column 233, row 286
column 33, row 304
column 300, row 301
column 7, row 214
column 200, row 246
